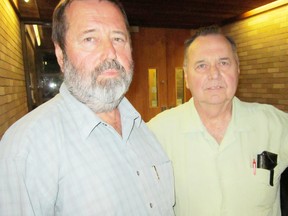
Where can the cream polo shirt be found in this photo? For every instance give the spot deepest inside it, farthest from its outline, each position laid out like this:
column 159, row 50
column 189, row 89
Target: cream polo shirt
column 219, row 180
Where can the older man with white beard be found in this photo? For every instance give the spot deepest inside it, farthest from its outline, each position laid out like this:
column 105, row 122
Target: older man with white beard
column 86, row 151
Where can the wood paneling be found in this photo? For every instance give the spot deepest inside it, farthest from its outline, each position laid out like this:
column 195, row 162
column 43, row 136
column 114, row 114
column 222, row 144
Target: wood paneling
column 162, row 49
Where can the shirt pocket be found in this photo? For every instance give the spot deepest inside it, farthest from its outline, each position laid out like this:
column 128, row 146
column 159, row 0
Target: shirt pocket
column 164, row 181
column 264, row 191
column 265, row 177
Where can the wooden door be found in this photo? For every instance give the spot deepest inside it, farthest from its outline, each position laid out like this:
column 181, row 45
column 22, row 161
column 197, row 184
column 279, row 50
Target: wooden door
column 158, row 52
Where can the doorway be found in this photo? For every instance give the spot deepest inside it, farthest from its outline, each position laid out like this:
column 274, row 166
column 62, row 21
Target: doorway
column 158, row 82
column 42, row 72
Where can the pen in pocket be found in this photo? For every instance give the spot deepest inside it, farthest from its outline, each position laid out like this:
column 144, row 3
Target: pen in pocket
column 155, row 169
column 254, row 166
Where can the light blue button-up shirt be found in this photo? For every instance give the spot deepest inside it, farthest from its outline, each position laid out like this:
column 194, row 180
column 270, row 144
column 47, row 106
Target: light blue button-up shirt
column 61, row 159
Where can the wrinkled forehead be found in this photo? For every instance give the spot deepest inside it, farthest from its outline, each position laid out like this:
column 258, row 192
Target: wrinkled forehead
column 86, row 10
column 92, row 6
column 210, row 45
column 212, row 40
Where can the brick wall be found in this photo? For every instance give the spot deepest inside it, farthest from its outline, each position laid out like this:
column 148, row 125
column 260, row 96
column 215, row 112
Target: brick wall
column 263, row 50
column 13, row 102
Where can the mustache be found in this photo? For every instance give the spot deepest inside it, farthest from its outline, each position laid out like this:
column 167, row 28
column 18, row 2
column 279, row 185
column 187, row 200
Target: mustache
column 109, row 64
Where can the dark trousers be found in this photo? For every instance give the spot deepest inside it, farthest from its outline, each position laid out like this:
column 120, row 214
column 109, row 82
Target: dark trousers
column 284, row 193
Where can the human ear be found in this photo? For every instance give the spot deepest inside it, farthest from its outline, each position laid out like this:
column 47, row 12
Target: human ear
column 59, row 55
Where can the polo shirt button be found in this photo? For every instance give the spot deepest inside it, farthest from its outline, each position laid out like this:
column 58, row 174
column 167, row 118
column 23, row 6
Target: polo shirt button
column 151, row 205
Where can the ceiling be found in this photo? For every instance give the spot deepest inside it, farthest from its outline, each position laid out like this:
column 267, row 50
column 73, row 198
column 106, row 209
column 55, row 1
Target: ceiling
column 187, row 14
column 158, row 13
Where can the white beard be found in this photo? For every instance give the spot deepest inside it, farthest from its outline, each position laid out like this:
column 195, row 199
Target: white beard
column 100, row 96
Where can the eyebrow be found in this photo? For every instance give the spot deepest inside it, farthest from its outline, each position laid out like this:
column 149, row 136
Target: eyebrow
column 203, row 60
column 199, row 62
column 121, row 33
column 89, row 31
column 96, row 30
column 225, row 58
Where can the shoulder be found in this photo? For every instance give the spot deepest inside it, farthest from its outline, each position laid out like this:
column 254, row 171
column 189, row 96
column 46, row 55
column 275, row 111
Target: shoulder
column 171, row 121
column 261, row 115
column 43, row 116
column 258, row 109
column 175, row 115
column 35, row 129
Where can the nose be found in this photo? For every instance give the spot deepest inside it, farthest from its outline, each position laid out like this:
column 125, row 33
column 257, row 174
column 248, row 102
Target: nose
column 214, row 72
column 109, row 51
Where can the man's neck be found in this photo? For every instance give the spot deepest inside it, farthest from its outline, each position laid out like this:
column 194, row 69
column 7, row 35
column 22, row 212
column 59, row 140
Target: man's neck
column 215, row 118
column 112, row 118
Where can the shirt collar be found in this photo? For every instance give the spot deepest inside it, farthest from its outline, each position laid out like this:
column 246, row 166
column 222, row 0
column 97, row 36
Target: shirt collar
column 193, row 123
column 128, row 112
column 86, row 120
column 240, row 116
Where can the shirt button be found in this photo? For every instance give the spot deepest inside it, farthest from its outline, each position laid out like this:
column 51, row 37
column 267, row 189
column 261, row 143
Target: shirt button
column 151, row 205
column 138, row 173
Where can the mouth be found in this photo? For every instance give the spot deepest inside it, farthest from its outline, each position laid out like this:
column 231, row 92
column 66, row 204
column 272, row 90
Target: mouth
column 110, row 73
column 214, row 87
